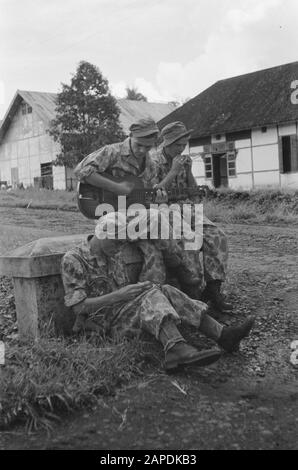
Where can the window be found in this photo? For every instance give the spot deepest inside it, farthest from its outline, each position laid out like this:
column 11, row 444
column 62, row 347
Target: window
column 46, row 175
column 46, row 169
column 26, row 109
column 231, row 160
column 264, row 130
column 288, row 154
column 208, row 167
column 229, row 168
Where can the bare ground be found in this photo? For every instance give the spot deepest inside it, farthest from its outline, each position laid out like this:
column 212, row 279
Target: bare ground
column 247, row 400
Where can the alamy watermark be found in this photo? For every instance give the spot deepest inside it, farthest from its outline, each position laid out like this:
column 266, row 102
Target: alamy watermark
column 159, row 221
column 294, row 94
column 2, row 353
column 294, row 355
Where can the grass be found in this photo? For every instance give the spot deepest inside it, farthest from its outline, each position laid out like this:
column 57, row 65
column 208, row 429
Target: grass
column 266, row 206
column 41, row 381
column 45, row 379
column 39, row 199
column 271, row 206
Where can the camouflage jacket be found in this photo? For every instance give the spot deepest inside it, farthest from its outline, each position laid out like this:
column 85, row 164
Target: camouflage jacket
column 159, row 167
column 115, row 159
column 86, row 275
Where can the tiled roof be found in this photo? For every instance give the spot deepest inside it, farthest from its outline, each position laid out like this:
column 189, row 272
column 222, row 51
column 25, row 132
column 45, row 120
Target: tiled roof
column 253, row 100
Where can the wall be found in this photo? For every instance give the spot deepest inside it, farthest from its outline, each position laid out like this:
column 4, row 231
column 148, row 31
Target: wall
column 25, row 146
column 59, row 177
column 257, row 160
column 198, row 167
column 244, row 165
column 289, row 180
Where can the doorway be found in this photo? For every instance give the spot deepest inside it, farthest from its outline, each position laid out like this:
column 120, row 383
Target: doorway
column 220, row 170
column 14, row 177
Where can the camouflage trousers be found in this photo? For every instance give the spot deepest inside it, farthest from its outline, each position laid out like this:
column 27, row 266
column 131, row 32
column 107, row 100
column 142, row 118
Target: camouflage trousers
column 209, row 263
column 215, row 253
column 162, row 258
column 149, row 310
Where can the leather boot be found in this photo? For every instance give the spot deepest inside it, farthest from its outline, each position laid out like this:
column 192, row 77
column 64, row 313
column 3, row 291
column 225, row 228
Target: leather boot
column 183, row 353
column 213, row 295
column 178, row 352
column 231, row 336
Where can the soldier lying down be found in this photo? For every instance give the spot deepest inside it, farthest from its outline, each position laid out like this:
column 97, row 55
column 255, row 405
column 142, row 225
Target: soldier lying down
column 100, row 285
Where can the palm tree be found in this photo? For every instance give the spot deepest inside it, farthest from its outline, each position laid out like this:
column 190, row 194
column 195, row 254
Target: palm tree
column 133, row 94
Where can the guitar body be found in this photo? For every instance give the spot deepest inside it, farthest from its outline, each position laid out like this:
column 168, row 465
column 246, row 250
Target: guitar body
column 89, row 197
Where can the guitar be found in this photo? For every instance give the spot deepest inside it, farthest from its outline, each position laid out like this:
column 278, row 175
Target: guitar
column 89, row 196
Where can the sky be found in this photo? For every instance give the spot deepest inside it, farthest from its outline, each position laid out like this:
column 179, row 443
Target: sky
column 168, row 49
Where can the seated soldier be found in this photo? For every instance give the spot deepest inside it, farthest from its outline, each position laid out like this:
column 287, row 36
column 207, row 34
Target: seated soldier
column 131, row 158
column 97, row 282
column 122, row 159
column 170, row 170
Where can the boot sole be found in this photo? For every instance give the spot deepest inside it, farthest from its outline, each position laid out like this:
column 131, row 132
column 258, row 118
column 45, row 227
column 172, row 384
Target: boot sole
column 205, row 358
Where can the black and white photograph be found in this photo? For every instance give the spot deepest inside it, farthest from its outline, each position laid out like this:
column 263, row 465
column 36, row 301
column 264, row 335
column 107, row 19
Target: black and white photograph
column 149, row 228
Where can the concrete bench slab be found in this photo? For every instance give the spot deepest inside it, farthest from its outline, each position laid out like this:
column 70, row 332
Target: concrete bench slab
column 38, row 289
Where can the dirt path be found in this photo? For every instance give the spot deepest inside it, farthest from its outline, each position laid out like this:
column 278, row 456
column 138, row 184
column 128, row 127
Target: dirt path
column 248, row 400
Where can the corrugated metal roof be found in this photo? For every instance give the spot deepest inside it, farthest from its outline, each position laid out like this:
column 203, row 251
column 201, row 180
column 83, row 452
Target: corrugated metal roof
column 253, row 100
column 131, row 110
column 44, row 104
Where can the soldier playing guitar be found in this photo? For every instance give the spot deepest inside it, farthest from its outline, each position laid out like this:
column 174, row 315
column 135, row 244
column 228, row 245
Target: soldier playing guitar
column 128, row 160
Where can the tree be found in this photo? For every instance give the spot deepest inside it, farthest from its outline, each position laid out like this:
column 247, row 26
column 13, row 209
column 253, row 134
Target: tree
column 133, row 94
column 176, row 104
column 87, row 116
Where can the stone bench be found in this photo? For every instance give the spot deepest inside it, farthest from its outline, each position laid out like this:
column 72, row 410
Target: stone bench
column 38, row 289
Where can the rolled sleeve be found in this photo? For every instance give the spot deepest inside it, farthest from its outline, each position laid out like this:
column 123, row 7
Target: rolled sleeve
column 97, row 162
column 74, row 280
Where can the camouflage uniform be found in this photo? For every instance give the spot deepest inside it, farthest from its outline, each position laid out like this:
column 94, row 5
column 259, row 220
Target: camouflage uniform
column 116, row 160
column 215, row 247
column 85, row 275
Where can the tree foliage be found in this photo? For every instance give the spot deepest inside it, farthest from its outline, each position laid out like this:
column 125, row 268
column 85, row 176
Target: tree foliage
column 87, row 116
column 133, row 94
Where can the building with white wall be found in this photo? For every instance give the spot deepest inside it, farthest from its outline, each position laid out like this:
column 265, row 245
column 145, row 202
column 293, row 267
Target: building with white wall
column 27, row 151
column 245, row 130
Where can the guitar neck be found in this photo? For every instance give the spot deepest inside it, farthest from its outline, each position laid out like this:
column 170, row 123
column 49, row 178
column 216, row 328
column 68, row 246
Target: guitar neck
column 177, row 194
